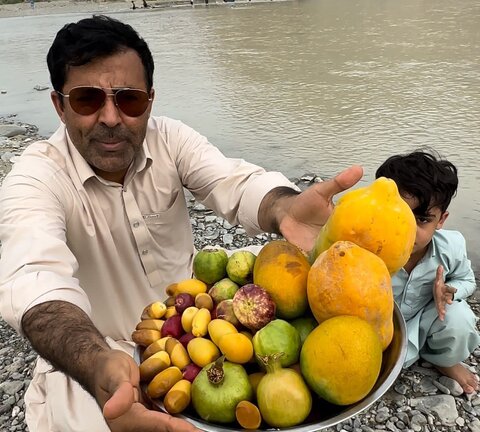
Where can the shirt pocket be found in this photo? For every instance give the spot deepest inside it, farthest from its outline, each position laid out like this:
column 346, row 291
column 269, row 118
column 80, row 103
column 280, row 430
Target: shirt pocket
column 170, row 227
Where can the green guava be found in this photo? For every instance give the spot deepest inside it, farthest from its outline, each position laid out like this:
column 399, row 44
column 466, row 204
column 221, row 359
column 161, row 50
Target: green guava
column 278, row 336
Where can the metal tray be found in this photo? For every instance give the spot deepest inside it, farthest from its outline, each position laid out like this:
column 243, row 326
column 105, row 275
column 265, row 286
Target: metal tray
column 324, row 414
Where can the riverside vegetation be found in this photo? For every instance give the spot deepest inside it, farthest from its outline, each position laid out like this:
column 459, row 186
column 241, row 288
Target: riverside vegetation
column 420, row 399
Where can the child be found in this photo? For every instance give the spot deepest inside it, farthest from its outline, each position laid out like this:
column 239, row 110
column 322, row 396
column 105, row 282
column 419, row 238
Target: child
column 432, row 286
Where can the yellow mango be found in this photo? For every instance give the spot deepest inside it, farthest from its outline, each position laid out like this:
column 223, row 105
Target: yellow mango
column 202, row 351
column 236, row 347
column 219, row 327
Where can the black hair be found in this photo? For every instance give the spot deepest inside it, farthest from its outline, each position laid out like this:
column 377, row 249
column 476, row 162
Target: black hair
column 77, row 44
column 431, row 180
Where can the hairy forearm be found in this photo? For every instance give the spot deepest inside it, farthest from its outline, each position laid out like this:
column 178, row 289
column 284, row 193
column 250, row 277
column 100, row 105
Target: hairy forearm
column 65, row 336
column 273, row 207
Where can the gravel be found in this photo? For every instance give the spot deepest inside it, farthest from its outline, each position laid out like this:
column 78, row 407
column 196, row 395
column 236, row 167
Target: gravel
column 419, row 400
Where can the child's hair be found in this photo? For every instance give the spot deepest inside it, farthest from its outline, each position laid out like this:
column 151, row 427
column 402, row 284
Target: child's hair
column 431, row 180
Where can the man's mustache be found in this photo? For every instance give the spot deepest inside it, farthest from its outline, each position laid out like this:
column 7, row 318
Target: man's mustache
column 102, row 133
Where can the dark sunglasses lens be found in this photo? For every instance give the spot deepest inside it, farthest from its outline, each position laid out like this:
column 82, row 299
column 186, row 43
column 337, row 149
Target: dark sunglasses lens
column 133, row 103
column 86, row 100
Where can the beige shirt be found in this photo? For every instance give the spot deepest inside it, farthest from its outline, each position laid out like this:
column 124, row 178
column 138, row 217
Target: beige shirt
column 108, row 248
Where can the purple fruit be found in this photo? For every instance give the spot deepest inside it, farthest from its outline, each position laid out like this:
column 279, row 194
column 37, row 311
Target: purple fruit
column 191, row 371
column 185, row 339
column 172, row 327
column 253, row 306
column 224, row 310
column 183, row 301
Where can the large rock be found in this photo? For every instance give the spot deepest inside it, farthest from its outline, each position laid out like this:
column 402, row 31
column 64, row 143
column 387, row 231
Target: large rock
column 8, row 130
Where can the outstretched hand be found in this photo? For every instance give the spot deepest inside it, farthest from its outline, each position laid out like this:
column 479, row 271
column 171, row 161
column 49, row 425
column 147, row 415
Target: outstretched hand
column 117, row 390
column 310, row 209
column 443, row 294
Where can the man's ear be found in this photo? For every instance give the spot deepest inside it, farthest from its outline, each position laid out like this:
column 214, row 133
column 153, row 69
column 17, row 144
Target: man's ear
column 152, row 97
column 442, row 220
column 58, row 103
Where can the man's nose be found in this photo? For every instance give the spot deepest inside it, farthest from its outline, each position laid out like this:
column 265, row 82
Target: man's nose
column 109, row 113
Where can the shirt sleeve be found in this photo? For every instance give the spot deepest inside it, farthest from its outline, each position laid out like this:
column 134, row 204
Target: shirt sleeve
column 233, row 188
column 36, row 265
column 460, row 274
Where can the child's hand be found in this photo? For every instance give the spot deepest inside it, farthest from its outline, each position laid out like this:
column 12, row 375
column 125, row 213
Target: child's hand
column 442, row 293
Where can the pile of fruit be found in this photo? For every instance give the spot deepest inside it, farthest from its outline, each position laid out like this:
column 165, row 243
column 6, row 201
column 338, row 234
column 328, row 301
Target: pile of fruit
column 255, row 339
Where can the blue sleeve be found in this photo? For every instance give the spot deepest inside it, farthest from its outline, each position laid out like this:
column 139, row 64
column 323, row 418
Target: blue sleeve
column 459, row 273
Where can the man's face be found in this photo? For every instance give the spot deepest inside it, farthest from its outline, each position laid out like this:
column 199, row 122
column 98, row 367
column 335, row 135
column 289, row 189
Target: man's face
column 108, row 139
column 426, row 224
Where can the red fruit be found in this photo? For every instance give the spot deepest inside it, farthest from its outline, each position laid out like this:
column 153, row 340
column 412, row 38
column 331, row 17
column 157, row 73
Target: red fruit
column 224, row 310
column 183, row 301
column 172, row 327
column 253, row 306
column 185, row 338
column 191, row 371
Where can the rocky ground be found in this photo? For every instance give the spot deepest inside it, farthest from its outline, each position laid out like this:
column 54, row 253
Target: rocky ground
column 419, row 400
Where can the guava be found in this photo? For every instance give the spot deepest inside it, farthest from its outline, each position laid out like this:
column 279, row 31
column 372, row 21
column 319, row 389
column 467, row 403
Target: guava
column 278, row 336
column 209, row 265
column 240, row 267
column 224, row 289
column 304, row 326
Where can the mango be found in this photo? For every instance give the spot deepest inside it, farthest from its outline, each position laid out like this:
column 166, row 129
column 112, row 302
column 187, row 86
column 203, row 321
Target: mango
column 219, row 327
column 202, row 351
column 236, row 347
column 341, row 359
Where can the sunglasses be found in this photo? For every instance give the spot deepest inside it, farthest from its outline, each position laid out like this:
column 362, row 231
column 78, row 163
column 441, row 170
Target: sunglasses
column 86, row 100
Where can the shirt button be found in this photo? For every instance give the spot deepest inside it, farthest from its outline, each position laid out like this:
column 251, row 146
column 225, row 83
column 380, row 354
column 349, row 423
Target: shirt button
column 145, row 252
column 136, row 224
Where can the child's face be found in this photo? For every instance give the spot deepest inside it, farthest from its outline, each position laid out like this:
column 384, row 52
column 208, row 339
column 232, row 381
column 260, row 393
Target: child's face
column 426, row 224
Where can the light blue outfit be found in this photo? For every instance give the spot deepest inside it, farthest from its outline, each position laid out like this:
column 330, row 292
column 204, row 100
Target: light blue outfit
column 448, row 342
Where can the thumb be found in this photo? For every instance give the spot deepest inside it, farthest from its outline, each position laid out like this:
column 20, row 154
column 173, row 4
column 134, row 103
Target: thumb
column 121, row 401
column 346, row 179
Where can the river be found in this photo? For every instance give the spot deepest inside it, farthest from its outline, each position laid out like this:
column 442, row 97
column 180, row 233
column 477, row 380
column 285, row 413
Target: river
column 300, row 86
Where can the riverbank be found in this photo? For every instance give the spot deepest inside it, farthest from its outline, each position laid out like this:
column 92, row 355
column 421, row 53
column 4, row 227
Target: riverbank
column 420, row 400
column 101, row 6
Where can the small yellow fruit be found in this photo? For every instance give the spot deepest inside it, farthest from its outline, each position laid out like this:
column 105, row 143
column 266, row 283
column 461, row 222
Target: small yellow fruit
column 219, row 327
column 236, row 347
column 202, row 351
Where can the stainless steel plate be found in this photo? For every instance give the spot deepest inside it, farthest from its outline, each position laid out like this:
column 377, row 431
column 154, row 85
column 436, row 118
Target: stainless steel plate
column 324, row 414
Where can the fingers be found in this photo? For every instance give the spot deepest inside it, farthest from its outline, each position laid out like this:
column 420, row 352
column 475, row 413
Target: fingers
column 141, row 419
column 449, row 293
column 177, row 425
column 439, row 275
column 346, row 179
column 441, row 312
column 121, row 401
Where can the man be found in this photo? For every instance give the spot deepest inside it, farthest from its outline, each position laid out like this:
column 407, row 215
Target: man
column 94, row 225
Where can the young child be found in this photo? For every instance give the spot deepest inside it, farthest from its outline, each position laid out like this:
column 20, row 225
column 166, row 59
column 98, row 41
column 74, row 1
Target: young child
column 432, row 286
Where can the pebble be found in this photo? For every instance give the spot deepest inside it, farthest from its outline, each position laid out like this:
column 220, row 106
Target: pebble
column 417, row 402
